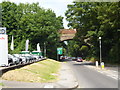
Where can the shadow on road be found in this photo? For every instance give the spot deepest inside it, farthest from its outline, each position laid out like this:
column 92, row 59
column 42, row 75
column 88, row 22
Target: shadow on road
column 83, row 63
column 65, row 60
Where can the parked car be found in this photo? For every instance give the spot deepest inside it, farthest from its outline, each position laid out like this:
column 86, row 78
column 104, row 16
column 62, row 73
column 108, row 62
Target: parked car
column 28, row 59
column 10, row 61
column 79, row 59
column 36, row 56
column 24, row 59
column 74, row 58
column 15, row 60
column 31, row 58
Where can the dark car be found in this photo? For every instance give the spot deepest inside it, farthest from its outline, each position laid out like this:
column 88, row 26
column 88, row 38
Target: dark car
column 79, row 59
column 10, row 61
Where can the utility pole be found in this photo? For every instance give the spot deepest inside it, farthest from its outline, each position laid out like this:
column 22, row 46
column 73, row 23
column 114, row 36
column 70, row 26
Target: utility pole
column 66, row 43
column 100, row 50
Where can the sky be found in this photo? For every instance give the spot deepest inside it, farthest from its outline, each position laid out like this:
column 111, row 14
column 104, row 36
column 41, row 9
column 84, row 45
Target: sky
column 58, row 6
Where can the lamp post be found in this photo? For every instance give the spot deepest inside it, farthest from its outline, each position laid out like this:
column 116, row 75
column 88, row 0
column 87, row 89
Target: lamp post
column 44, row 49
column 100, row 50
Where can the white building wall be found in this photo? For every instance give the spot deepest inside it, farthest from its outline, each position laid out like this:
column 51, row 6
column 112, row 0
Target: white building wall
column 3, row 49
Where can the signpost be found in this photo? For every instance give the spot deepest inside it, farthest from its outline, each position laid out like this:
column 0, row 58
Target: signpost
column 59, row 52
column 3, row 47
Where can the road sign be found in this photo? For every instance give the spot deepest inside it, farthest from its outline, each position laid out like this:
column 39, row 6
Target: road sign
column 59, row 51
column 2, row 30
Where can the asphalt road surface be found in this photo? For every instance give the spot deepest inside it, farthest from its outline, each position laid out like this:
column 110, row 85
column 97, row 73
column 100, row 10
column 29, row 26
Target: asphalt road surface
column 90, row 78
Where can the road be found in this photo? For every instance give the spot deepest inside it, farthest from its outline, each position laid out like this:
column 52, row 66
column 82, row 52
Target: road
column 90, row 78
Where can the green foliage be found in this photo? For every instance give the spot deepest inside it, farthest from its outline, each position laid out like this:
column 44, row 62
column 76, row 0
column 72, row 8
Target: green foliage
column 1, row 84
column 20, row 47
column 92, row 59
column 84, row 48
column 30, row 21
column 93, row 20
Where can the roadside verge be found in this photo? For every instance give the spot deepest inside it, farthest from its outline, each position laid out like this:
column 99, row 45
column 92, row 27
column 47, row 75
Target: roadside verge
column 66, row 80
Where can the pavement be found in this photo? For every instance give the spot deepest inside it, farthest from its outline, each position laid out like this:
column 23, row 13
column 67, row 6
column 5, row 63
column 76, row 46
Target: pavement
column 66, row 80
column 108, row 70
column 90, row 76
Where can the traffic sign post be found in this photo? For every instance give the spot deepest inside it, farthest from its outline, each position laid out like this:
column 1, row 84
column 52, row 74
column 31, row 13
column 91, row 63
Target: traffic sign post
column 59, row 52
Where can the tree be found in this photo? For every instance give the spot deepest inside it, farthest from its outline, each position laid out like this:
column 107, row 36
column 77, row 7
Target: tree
column 30, row 21
column 95, row 19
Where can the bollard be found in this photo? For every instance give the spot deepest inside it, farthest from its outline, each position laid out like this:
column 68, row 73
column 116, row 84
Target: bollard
column 96, row 63
column 102, row 65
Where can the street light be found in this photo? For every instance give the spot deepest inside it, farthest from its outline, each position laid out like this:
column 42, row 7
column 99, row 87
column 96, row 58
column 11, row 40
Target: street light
column 100, row 51
column 44, row 49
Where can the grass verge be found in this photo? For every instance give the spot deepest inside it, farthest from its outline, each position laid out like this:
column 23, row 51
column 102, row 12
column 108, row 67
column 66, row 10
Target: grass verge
column 43, row 71
column 1, row 84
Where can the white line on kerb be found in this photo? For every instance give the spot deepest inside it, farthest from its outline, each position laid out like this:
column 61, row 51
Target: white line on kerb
column 114, row 77
column 48, row 86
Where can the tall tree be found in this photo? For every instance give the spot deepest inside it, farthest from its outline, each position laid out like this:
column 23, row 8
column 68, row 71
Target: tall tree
column 95, row 19
column 30, row 21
